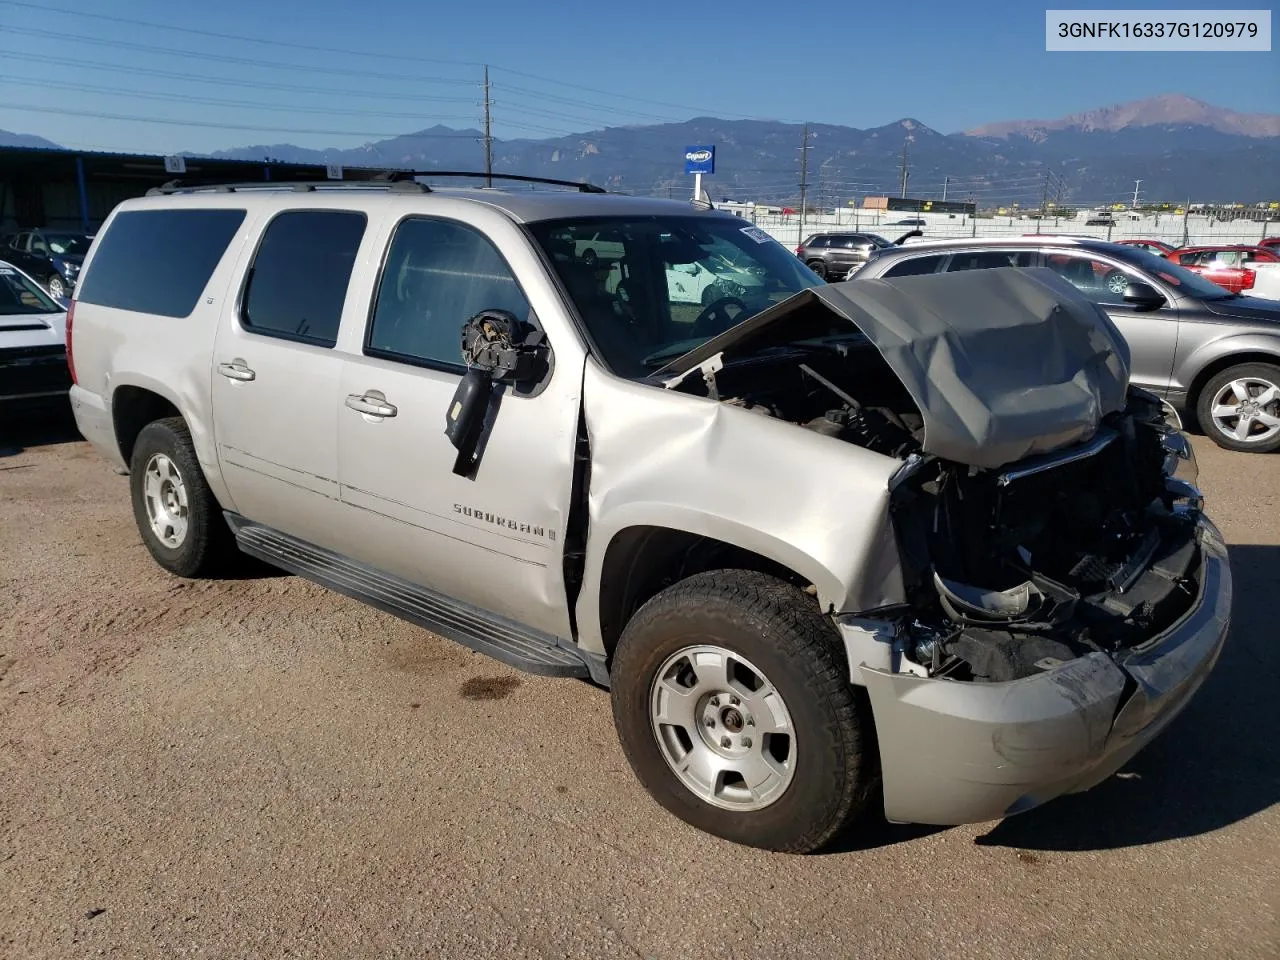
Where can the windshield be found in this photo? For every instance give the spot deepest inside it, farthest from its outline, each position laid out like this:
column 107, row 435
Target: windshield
column 1185, row 282
column 20, row 294
column 72, row 244
column 661, row 286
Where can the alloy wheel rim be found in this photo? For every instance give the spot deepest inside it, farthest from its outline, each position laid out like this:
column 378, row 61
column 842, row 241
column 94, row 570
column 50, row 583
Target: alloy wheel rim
column 165, row 495
column 1247, row 410
column 723, row 728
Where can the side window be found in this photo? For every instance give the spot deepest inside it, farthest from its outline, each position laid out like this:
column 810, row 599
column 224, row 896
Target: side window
column 987, row 260
column 38, row 245
column 438, row 275
column 298, row 281
column 158, row 261
column 1099, row 281
column 1188, row 259
column 915, row 266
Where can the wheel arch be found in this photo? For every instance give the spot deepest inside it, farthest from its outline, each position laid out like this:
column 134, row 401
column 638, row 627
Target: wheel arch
column 642, row 560
column 1232, row 356
column 133, row 407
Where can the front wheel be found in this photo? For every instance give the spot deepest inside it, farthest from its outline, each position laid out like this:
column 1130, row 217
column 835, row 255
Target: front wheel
column 1240, row 408
column 733, row 704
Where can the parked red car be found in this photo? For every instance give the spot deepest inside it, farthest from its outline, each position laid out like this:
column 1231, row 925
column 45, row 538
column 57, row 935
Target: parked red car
column 1158, row 247
column 1226, row 266
column 1270, row 243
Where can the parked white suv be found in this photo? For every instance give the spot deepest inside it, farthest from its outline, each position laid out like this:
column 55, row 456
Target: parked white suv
column 908, row 539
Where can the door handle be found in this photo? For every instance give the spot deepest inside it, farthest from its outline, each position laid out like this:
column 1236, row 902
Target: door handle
column 236, row 370
column 370, row 406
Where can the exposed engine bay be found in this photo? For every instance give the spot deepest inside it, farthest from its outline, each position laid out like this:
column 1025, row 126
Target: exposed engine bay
column 1008, row 571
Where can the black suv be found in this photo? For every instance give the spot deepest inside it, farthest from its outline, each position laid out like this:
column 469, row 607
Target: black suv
column 832, row 255
column 53, row 257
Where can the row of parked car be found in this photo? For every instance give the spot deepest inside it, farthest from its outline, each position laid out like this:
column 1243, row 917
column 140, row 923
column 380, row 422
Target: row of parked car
column 1232, row 266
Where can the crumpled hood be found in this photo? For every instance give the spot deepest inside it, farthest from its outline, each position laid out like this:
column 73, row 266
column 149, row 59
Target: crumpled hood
column 1003, row 364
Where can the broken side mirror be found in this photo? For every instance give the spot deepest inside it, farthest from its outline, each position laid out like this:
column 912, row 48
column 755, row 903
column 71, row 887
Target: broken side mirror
column 1143, row 295
column 498, row 348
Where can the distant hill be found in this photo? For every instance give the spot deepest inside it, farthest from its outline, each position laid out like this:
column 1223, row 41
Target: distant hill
column 1097, row 156
column 8, row 139
column 1169, row 110
column 1179, row 147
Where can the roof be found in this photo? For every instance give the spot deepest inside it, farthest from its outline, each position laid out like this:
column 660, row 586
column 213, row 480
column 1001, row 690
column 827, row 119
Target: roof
column 523, row 206
column 958, row 243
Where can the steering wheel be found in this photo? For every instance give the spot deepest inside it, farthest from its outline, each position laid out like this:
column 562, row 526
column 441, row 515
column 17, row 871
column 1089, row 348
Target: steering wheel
column 717, row 310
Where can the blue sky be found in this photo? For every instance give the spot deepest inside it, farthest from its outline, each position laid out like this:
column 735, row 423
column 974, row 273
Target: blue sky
column 556, row 68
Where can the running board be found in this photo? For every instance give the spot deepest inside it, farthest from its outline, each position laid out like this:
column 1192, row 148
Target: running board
column 500, row 638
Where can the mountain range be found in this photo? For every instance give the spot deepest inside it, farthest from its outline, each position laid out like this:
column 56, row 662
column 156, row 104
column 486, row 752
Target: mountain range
column 1179, row 147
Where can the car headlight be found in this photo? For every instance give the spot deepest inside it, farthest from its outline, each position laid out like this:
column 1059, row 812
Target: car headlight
column 1179, row 457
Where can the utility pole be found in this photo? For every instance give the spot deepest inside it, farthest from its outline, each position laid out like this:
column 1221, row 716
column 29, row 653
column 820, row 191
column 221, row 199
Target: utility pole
column 1136, row 185
column 1186, row 227
column 906, row 170
column 804, row 177
column 1044, row 202
column 946, row 182
column 488, row 136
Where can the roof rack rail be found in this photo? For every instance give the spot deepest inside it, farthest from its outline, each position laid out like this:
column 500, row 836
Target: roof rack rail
column 298, row 186
column 402, row 176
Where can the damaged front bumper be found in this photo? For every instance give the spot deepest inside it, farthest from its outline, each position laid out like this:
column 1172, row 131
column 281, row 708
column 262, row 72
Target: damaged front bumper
column 954, row 752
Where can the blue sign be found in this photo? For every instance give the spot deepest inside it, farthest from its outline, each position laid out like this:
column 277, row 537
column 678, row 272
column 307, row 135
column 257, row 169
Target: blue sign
column 699, row 159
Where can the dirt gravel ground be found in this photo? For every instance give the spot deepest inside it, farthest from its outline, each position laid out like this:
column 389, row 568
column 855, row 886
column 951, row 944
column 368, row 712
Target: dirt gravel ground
column 261, row 768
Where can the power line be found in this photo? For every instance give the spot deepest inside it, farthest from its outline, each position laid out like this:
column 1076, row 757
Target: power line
column 215, row 101
column 225, row 126
column 44, row 10
column 229, row 81
column 244, row 61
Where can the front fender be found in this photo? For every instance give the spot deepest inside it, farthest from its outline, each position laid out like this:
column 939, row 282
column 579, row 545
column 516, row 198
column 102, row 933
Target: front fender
column 817, row 505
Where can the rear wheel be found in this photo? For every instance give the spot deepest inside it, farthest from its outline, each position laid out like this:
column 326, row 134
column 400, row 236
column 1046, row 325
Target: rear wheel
column 179, row 520
column 733, row 704
column 818, row 267
column 1240, row 408
column 56, row 286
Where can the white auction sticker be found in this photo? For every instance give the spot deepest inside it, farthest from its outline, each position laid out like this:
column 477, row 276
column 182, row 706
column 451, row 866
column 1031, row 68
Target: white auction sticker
column 1157, row 30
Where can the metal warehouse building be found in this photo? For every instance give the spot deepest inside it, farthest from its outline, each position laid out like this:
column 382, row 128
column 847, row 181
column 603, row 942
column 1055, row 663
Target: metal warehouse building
column 75, row 190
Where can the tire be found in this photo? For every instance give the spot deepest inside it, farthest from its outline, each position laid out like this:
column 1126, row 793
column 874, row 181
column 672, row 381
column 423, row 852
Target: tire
column 818, row 267
column 1262, row 422
column 1116, row 283
column 56, row 286
column 206, row 544
column 780, row 633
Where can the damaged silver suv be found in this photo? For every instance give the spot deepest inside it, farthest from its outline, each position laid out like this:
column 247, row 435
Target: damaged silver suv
column 910, row 542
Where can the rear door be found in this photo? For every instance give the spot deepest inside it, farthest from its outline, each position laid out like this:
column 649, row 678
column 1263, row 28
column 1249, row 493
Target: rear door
column 495, row 539
column 276, row 374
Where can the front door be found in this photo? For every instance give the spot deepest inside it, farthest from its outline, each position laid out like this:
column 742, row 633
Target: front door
column 1152, row 334
column 497, row 540
column 276, row 375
